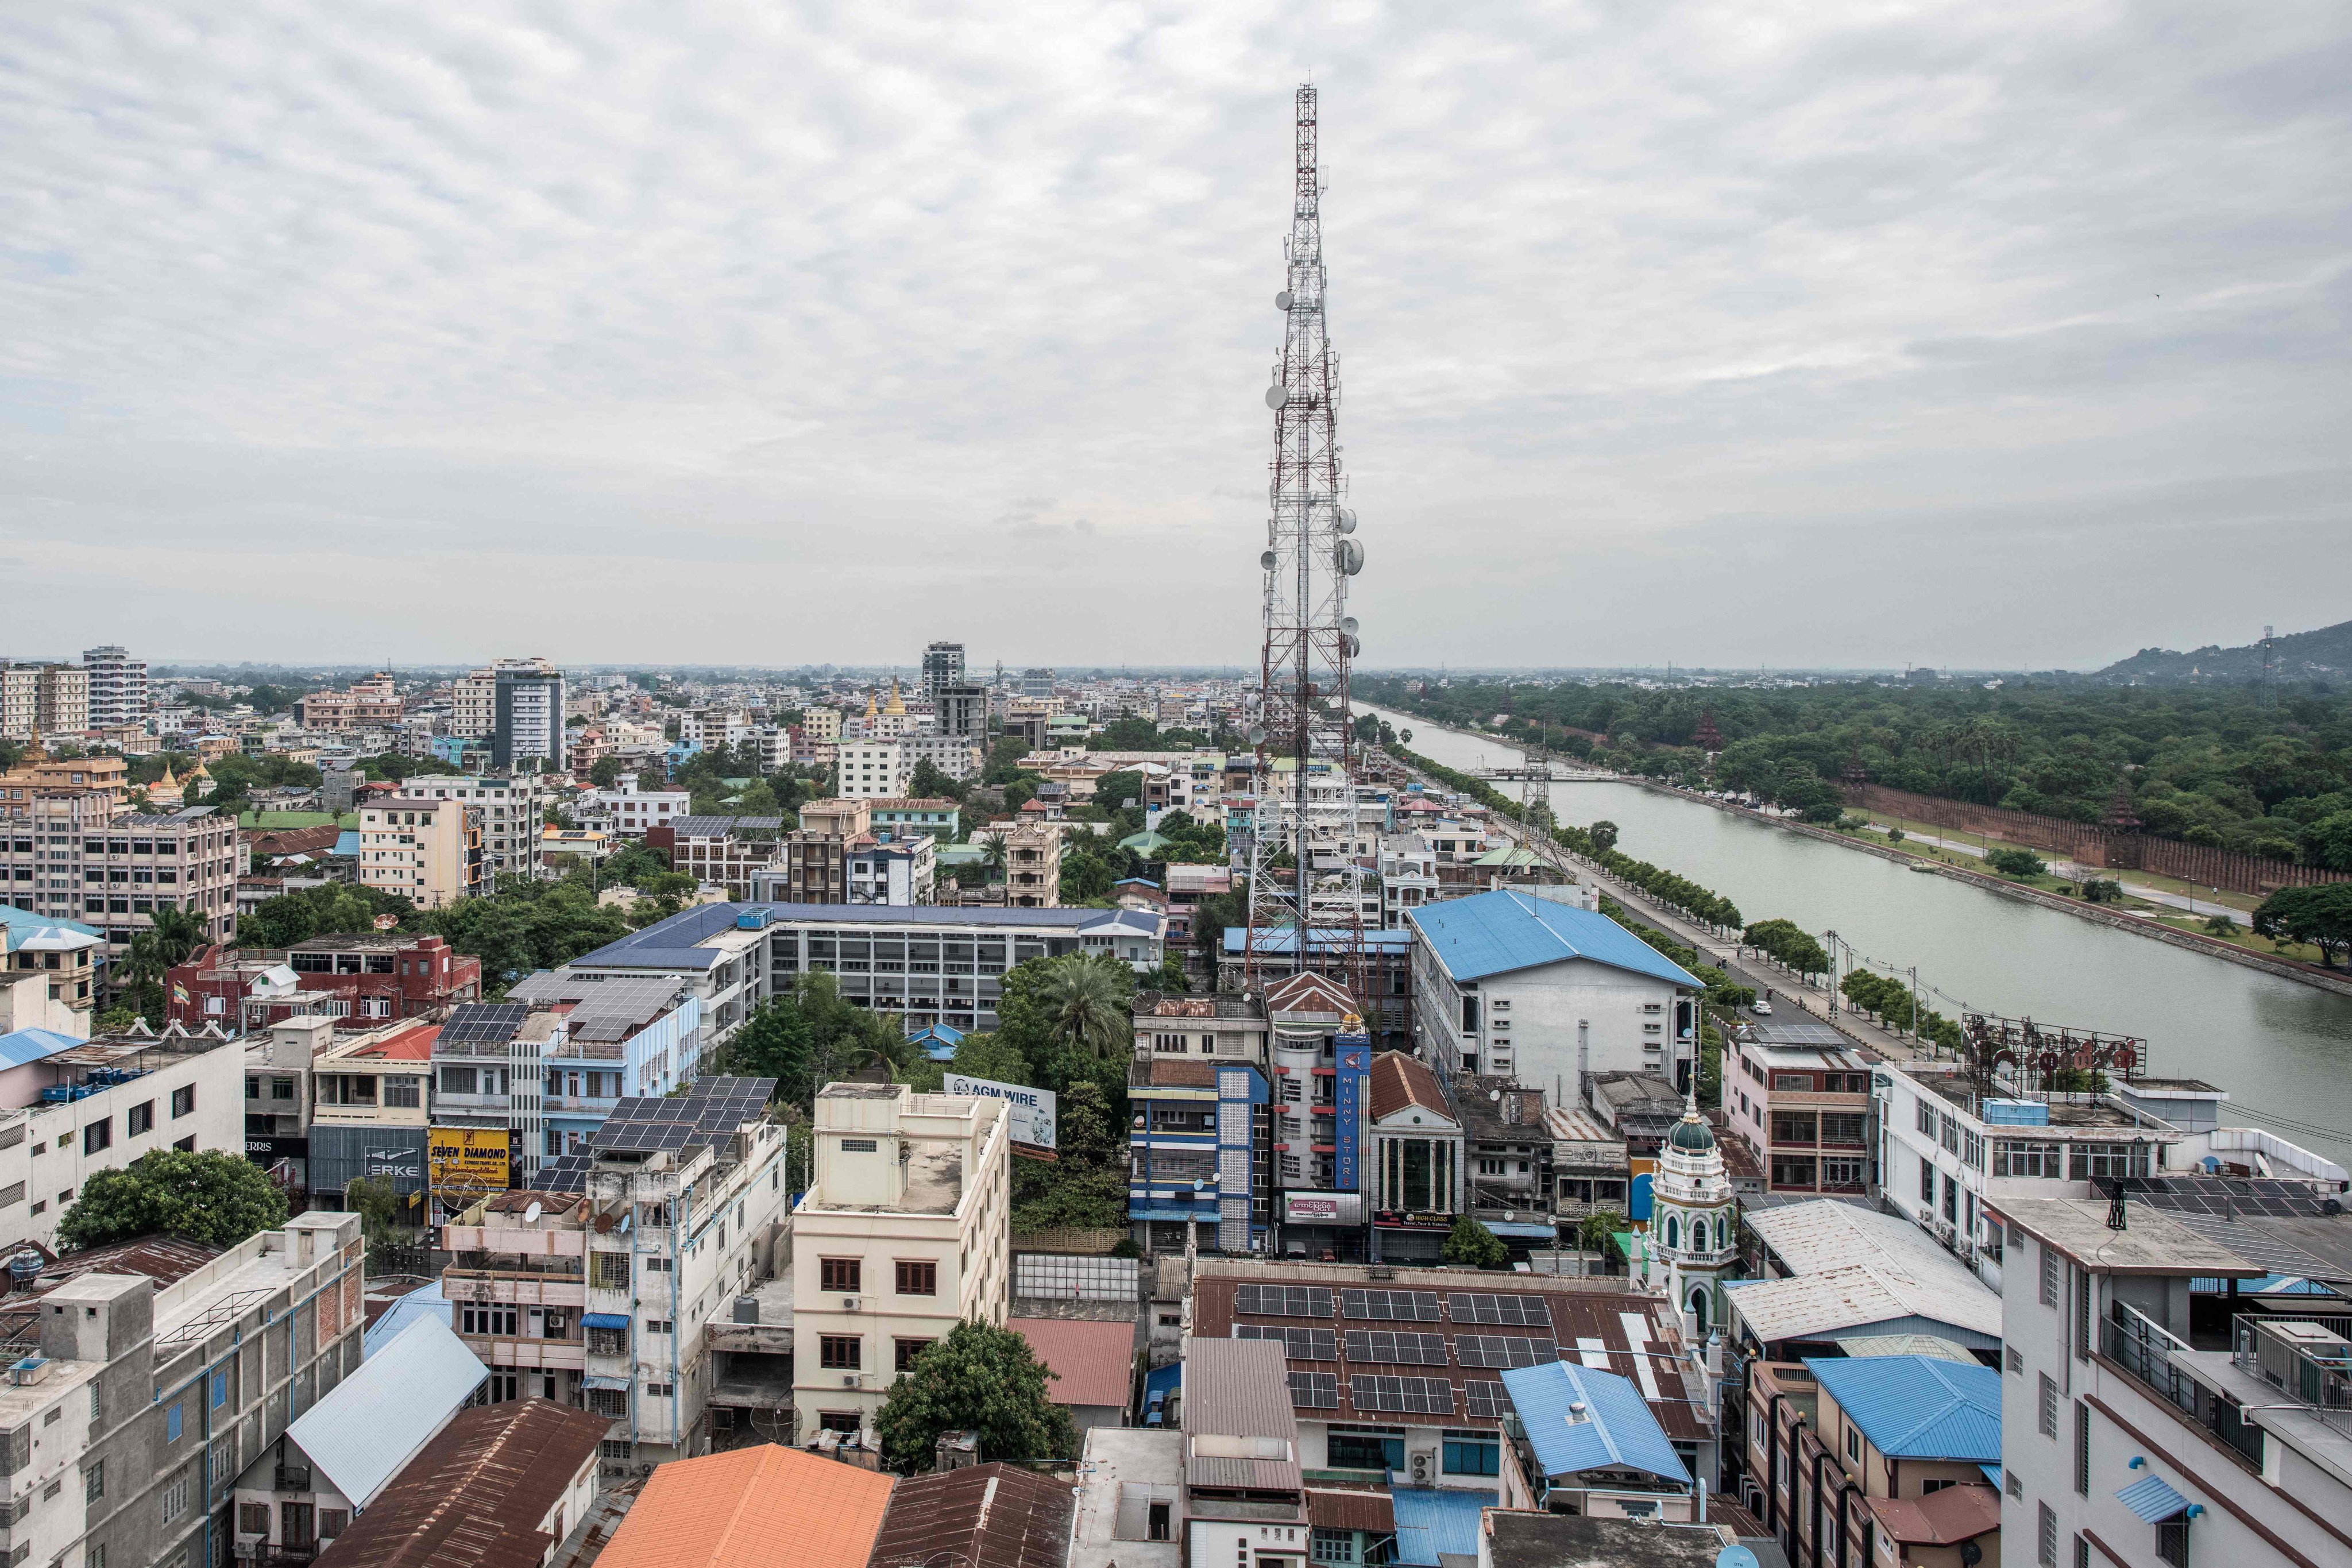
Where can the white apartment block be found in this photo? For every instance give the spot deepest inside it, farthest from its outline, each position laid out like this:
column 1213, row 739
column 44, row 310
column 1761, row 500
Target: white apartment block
column 528, row 734
column 428, row 851
column 1944, row 1154
column 2136, row 1431
column 1512, row 984
column 872, row 768
column 685, row 1223
column 512, row 810
column 101, row 1104
column 904, row 1232
column 628, row 811
column 956, row 756
column 118, row 687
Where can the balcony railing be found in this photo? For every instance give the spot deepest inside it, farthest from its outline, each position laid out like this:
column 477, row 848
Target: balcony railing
column 2145, row 1349
column 2313, row 1371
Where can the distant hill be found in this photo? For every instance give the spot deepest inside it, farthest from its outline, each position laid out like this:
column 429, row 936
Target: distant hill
column 2299, row 656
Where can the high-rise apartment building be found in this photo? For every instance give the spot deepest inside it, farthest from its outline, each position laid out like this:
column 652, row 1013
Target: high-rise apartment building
column 1038, row 685
column 528, row 733
column 871, row 768
column 47, row 698
column 117, row 686
column 428, row 851
column 474, row 706
column 513, row 809
column 942, row 666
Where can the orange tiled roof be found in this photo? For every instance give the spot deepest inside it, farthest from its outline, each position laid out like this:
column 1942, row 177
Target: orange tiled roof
column 752, row 1508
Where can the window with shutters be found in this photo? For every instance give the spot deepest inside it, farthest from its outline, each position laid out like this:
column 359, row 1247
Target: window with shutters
column 2082, row 1449
column 2046, row 1407
column 2049, row 1275
column 2046, row 1545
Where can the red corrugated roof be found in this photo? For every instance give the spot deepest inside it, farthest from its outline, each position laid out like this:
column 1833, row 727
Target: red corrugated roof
column 1092, row 1362
column 1398, row 1080
column 767, row 1507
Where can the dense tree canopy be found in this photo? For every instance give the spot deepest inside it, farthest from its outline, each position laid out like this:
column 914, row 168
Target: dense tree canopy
column 979, row 1378
column 217, row 1198
column 2218, row 765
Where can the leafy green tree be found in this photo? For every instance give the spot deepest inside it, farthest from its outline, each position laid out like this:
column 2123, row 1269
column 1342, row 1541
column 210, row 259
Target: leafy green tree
column 220, row 1199
column 605, row 772
column 1603, row 835
column 332, row 910
column 979, row 1378
column 1593, row 1231
column 930, row 783
column 2321, row 916
column 982, row 1053
column 1471, row 1245
column 2022, row 864
column 2328, row 841
column 2102, row 891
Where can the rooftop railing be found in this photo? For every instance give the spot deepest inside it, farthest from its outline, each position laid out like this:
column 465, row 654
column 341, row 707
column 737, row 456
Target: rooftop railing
column 2309, row 1359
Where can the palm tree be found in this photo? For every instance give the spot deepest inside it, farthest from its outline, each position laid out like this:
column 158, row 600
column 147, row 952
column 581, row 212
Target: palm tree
column 1086, row 1002
column 992, row 855
column 178, row 933
column 141, row 974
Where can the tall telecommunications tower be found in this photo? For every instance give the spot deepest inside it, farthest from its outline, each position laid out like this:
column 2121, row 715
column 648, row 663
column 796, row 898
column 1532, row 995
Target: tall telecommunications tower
column 1310, row 638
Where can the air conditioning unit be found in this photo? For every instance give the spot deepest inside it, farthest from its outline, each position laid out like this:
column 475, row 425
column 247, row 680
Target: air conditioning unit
column 1420, row 1469
column 849, row 1303
column 849, row 1380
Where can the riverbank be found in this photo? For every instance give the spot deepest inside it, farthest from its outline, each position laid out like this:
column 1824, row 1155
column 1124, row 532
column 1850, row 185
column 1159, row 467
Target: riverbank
column 2193, row 942
column 2312, row 975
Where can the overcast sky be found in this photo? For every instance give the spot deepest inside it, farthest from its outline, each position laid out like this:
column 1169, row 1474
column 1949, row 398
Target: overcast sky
column 1983, row 334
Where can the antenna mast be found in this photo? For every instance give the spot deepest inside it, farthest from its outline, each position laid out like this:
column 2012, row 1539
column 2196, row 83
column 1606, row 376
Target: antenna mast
column 1311, row 640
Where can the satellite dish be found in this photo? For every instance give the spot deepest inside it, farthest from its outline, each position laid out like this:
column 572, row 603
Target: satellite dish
column 1267, row 559
column 1275, row 396
column 1347, row 624
column 1349, row 641
column 1350, row 557
column 531, row 1214
column 1734, row 1556
column 1282, row 300
column 1346, row 520
column 1257, row 734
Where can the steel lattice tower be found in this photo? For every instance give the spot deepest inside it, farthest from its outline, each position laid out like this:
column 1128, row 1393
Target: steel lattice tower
column 1311, row 640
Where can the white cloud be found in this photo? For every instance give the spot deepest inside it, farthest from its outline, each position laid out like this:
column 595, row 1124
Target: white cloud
column 762, row 333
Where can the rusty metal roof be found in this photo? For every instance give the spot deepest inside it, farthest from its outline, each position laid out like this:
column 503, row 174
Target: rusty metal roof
column 1591, row 1322
column 1239, row 1431
column 1398, row 1080
column 474, row 1496
column 985, row 1516
column 1332, row 1508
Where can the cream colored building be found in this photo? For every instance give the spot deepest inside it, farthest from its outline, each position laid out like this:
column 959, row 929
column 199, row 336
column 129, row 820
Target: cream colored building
column 904, row 1232
column 473, row 705
column 428, row 851
column 1033, row 868
column 821, row 723
column 20, row 701
column 870, row 769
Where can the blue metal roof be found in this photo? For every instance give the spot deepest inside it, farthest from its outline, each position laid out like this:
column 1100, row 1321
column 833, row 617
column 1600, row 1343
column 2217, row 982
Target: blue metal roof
column 2154, row 1499
column 1429, row 1520
column 1916, row 1407
column 428, row 1303
column 1496, row 933
column 24, row 1046
column 28, row 924
column 1615, row 1428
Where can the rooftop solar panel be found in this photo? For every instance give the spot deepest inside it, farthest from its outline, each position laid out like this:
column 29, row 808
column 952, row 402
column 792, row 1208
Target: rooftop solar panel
column 1390, row 1306
column 1488, row 1401
column 1315, row 1389
column 2244, row 1197
column 1511, row 1311
column 1283, row 1301
column 1299, row 1344
column 564, row 1173
column 1396, row 1349
column 1504, row 1349
column 1411, row 1395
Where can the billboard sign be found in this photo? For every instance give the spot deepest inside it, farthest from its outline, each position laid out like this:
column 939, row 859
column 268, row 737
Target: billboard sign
column 394, row 1160
column 1032, row 1108
column 1355, row 1062
column 1322, row 1208
column 472, row 1159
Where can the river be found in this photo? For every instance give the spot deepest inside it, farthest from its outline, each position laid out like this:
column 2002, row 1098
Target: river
column 2282, row 1049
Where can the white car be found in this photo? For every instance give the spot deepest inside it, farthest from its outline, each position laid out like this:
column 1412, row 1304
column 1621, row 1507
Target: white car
column 1761, row 1008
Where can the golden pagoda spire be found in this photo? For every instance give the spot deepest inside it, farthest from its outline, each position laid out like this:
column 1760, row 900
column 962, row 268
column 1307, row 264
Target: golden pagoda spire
column 897, row 705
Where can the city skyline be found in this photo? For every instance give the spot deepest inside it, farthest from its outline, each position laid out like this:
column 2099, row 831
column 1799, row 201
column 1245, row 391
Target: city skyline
column 1970, row 338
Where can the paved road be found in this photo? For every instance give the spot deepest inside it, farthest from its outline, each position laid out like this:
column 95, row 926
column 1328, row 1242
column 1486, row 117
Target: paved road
column 2185, row 902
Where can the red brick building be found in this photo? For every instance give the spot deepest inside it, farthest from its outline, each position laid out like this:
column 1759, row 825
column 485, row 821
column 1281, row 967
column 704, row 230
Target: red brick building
column 361, row 979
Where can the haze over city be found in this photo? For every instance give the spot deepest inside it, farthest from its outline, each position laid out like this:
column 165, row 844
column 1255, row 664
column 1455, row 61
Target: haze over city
column 2015, row 333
